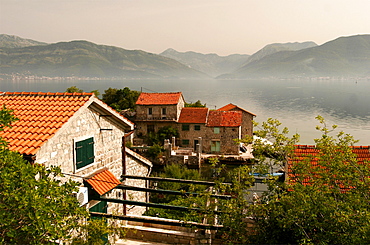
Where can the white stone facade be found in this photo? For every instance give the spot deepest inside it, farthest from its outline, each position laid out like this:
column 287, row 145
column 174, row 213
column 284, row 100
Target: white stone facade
column 107, row 133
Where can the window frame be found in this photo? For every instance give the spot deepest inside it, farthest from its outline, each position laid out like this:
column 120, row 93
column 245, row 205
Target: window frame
column 185, row 142
column 197, row 127
column 185, row 127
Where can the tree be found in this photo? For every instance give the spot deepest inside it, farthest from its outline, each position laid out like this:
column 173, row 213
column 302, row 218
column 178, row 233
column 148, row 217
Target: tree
column 166, row 132
column 331, row 208
column 37, row 206
column 74, row 89
column 327, row 203
column 121, row 99
column 195, row 104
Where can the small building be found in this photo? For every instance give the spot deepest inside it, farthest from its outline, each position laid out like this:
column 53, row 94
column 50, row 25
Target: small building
column 247, row 118
column 78, row 133
column 157, row 110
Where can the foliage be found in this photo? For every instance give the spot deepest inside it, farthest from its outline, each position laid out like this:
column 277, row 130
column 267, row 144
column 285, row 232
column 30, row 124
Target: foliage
column 6, row 119
column 36, row 205
column 74, row 89
column 166, row 132
column 175, row 171
column 121, row 99
column 195, row 104
column 155, row 151
column 332, row 209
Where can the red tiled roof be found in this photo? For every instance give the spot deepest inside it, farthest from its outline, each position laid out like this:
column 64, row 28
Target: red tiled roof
column 40, row 116
column 193, row 115
column 231, row 107
column 159, row 98
column 224, row 119
column 103, row 182
column 309, row 153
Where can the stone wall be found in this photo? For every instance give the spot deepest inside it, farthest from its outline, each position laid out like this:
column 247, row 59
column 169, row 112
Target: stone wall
column 225, row 136
column 142, row 112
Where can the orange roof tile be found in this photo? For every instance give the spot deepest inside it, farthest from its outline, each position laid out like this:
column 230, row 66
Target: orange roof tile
column 40, row 116
column 224, row 119
column 232, row 107
column 159, row 98
column 103, row 182
column 193, row 115
column 309, row 153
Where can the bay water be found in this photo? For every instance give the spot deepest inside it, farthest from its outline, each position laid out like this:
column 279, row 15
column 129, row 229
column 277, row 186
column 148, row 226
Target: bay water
column 295, row 103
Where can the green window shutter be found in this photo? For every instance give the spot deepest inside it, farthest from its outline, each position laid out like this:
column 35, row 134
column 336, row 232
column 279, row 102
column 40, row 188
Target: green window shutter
column 84, row 152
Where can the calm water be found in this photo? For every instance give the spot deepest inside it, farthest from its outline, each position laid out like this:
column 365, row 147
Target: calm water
column 294, row 103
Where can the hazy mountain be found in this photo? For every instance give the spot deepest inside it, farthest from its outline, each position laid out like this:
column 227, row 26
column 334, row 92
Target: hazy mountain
column 10, row 41
column 277, row 47
column 342, row 57
column 86, row 59
column 211, row 64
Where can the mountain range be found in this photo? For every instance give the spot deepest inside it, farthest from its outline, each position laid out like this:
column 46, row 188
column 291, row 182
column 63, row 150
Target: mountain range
column 86, row 59
column 342, row 57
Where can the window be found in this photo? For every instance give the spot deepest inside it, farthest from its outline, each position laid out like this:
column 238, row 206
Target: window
column 215, row 146
column 185, row 127
column 197, row 127
column 150, row 111
column 150, row 129
column 216, row 130
column 84, row 152
column 185, row 142
column 164, row 111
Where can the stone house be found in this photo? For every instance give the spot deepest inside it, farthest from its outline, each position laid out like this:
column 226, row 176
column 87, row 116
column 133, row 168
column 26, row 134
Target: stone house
column 80, row 134
column 214, row 130
column 157, row 110
column 247, row 118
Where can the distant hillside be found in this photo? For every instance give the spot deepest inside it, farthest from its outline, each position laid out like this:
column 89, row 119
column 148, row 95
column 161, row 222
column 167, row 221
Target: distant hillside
column 86, row 59
column 10, row 41
column 342, row 57
column 211, row 64
column 277, row 47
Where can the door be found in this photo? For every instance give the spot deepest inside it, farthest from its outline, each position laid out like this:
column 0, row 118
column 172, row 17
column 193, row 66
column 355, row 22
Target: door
column 215, row 146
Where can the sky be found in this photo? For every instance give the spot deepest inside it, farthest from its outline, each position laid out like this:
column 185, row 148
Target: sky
column 206, row 26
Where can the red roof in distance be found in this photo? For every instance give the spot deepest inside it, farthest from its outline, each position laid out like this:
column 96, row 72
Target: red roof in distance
column 308, row 152
column 193, row 115
column 224, row 119
column 232, row 107
column 159, row 98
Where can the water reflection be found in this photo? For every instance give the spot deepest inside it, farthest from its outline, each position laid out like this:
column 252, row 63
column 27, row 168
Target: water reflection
column 294, row 103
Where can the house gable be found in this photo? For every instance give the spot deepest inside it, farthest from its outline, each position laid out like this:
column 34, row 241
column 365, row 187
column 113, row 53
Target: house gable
column 232, row 107
column 41, row 115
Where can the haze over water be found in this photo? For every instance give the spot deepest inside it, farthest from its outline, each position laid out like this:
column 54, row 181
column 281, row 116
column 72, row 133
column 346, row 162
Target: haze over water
column 294, row 103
